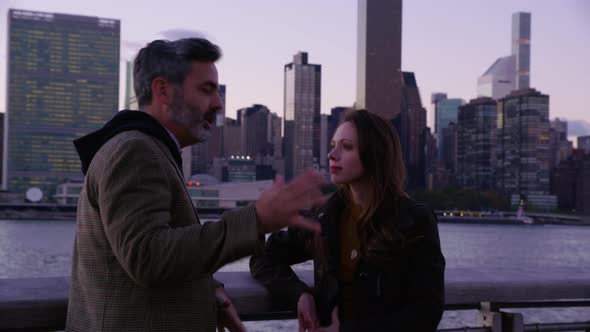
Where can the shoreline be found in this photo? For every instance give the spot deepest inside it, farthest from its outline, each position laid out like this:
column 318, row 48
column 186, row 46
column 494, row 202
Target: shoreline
column 35, row 214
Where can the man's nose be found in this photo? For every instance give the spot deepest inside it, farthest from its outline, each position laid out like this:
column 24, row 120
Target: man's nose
column 217, row 102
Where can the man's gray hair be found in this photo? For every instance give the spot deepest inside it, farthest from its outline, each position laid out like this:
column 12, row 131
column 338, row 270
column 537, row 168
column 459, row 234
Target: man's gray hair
column 169, row 60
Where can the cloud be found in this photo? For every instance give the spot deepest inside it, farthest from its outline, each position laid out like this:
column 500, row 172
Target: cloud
column 173, row 34
column 578, row 128
column 132, row 44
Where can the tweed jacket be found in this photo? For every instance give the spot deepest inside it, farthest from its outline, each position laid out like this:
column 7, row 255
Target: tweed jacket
column 142, row 261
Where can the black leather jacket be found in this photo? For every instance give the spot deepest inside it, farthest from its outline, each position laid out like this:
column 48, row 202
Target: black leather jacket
column 406, row 294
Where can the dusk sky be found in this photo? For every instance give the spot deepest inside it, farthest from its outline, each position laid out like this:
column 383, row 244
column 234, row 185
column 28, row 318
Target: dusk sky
column 448, row 44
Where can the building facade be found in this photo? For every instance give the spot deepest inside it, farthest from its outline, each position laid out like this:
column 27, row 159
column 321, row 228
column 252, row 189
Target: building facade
column 63, row 82
column 302, row 97
column 511, row 72
column 379, row 52
column 523, row 143
column 446, row 112
column 584, row 144
column 476, row 144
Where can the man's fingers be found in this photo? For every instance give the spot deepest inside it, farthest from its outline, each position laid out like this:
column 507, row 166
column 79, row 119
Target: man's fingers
column 279, row 180
column 300, row 200
column 239, row 327
column 311, row 323
column 305, row 322
column 307, row 224
column 308, row 322
column 319, row 200
column 302, row 184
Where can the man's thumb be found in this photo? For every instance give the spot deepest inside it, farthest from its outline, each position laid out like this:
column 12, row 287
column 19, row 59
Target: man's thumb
column 335, row 315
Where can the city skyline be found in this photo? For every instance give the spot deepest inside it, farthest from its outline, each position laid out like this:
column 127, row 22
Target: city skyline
column 447, row 47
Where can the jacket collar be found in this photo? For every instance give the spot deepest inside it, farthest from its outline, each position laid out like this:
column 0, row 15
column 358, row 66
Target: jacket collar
column 87, row 146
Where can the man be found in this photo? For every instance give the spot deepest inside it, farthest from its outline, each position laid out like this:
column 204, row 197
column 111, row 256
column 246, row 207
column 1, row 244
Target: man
column 142, row 261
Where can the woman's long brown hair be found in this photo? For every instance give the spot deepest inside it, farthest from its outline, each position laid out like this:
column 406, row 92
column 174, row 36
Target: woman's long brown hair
column 380, row 153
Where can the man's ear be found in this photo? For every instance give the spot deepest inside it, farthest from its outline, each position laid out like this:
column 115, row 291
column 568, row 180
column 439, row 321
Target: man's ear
column 161, row 91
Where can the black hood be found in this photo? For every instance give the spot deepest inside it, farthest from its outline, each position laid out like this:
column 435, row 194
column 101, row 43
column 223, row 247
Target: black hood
column 88, row 145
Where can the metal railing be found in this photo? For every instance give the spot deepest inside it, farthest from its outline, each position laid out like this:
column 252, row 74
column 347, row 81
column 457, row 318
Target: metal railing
column 40, row 304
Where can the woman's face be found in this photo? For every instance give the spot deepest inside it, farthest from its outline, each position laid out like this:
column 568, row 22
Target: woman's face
column 345, row 161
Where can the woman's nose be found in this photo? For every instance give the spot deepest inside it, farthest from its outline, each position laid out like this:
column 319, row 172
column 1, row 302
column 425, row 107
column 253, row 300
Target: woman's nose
column 332, row 154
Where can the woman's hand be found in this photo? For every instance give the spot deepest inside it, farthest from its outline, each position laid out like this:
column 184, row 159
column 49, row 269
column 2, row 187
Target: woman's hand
column 306, row 313
column 334, row 327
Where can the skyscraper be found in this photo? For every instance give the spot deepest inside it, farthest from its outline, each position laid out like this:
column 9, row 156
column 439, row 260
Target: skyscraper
column 523, row 143
column 430, row 158
column 130, row 98
column 446, row 111
column 302, row 114
column 203, row 153
column 336, row 116
column 411, row 127
column 559, row 146
column 63, row 74
column 324, row 141
column 498, row 80
column 560, row 128
column 232, row 133
column 521, row 48
column 256, row 131
column 511, row 72
column 584, row 143
column 570, row 182
column 379, row 52
column 215, row 147
column 449, row 147
column 434, row 99
column 475, row 144
column 276, row 135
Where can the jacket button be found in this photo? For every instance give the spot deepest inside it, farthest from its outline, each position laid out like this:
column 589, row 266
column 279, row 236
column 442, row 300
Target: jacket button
column 363, row 275
column 320, row 215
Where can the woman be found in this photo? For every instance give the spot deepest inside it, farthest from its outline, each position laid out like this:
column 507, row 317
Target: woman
column 377, row 263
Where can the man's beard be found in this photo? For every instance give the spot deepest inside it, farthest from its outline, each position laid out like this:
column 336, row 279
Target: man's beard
column 191, row 119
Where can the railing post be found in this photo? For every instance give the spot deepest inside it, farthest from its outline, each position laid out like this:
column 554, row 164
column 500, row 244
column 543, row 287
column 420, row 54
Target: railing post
column 490, row 316
column 512, row 322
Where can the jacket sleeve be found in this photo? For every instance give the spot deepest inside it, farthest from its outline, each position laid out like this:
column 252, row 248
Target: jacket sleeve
column 271, row 264
column 134, row 200
column 425, row 285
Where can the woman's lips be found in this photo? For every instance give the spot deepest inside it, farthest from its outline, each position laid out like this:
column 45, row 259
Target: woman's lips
column 335, row 169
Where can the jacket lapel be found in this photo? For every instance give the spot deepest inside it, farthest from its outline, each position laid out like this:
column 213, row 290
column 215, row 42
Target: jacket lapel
column 179, row 173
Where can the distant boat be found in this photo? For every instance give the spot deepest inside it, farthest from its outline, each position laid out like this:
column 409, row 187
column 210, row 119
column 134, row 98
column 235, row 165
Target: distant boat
column 520, row 215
